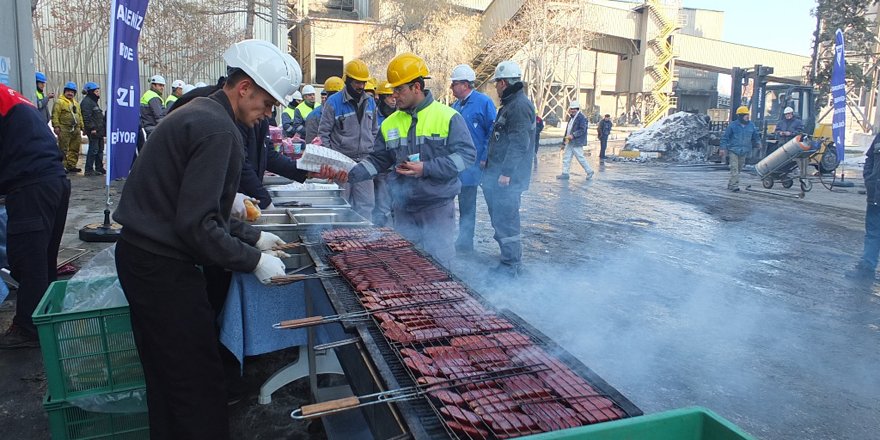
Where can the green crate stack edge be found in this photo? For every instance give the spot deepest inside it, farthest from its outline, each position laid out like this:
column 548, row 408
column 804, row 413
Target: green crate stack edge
column 87, row 353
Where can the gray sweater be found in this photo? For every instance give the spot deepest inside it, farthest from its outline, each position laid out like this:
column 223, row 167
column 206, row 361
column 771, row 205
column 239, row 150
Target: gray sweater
column 178, row 198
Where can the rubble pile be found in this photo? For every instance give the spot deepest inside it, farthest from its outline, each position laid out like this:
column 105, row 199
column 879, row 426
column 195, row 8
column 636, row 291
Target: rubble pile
column 679, row 137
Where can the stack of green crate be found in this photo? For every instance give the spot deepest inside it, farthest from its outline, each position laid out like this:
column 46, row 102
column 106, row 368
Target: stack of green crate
column 87, row 354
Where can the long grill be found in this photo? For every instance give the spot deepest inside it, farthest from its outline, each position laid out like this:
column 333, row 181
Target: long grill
column 478, row 373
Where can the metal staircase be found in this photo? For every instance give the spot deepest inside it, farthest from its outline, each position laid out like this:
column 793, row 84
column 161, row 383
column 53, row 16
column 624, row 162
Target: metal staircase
column 661, row 70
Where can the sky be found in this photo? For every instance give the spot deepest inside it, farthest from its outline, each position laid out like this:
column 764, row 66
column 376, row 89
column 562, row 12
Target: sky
column 784, row 25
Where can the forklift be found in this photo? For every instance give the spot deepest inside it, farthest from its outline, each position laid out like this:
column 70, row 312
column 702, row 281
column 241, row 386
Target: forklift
column 766, row 106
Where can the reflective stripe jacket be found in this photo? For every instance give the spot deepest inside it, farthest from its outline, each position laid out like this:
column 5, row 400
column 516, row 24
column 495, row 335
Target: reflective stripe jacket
column 287, row 121
column 300, row 114
column 152, row 110
column 479, row 113
column 340, row 129
column 67, row 116
column 439, row 135
column 169, row 101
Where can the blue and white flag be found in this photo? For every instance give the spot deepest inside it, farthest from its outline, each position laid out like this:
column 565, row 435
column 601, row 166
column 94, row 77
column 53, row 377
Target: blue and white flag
column 124, row 90
column 838, row 94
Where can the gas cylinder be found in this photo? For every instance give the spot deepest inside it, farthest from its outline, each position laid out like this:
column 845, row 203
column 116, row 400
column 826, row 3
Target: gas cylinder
column 781, row 156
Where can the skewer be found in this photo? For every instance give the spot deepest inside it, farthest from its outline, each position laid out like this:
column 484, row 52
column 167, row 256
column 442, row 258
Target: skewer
column 355, row 316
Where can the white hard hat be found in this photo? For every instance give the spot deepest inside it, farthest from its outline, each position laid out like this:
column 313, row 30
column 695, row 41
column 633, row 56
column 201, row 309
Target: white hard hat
column 463, row 72
column 297, row 96
column 507, row 70
column 276, row 72
column 188, row 88
column 200, row 84
column 788, row 110
column 177, row 83
column 157, row 79
column 574, row 104
column 308, row 89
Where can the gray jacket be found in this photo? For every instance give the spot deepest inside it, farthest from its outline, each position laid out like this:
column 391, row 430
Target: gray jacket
column 512, row 144
column 340, row 128
column 152, row 111
column 43, row 105
column 444, row 157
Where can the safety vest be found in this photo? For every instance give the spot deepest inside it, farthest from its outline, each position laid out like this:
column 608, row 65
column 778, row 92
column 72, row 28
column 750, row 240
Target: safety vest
column 304, row 109
column 432, row 125
column 289, row 112
column 148, row 96
column 39, row 95
column 170, row 100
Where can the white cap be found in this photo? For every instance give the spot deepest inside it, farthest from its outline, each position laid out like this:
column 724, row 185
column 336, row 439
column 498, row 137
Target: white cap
column 200, row 84
column 276, row 72
column 157, row 79
column 507, row 70
column 297, row 96
column 574, row 104
column 788, row 110
column 177, row 83
column 463, row 72
column 308, row 89
column 188, row 88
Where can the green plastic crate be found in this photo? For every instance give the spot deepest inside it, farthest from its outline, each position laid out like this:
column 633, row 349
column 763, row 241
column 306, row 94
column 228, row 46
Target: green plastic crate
column 67, row 422
column 88, row 352
column 693, row 423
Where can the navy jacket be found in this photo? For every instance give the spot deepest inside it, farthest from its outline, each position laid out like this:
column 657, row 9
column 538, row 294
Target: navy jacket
column 28, row 149
column 604, row 128
column 512, row 144
column 578, row 132
column 871, row 172
column 259, row 158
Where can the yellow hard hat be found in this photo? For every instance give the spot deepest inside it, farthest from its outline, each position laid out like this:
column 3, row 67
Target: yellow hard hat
column 356, row 70
column 742, row 110
column 384, row 88
column 405, row 68
column 334, row 84
column 371, row 84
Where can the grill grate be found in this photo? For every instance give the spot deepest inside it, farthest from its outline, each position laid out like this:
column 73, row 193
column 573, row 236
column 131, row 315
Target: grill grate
column 468, row 338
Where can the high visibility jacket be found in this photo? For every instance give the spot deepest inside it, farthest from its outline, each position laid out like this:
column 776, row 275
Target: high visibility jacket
column 169, row 101
column 43, row 105
column 152, row 110
column 66, row 115
column 439, row 136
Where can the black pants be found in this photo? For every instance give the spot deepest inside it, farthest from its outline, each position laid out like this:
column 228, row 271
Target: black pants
column 174, row 329
column 503, row 204
column 467, row 218
column 95, row 156
column 604, row 143
column 37, row 214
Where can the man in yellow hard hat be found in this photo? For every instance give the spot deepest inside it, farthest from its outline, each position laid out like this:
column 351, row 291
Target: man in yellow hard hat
column 427, row 144
column 370, row 87
column 349, row 125
column 737, row 142
column 333, row 85
column 382, row 208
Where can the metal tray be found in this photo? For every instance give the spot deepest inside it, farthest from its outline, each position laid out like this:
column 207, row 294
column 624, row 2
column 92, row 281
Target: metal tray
column 310, row 202
column 272, row 218
column 326, row 216
column 305, row 193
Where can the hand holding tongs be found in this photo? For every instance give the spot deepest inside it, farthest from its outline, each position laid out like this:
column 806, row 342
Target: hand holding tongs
column 409, row 393
column 287, row 279
column 363, row 315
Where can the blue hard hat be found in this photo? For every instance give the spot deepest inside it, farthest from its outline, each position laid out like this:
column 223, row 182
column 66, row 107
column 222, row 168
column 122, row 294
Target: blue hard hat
column 70, row 86
column 41, row 78
column 91, row 86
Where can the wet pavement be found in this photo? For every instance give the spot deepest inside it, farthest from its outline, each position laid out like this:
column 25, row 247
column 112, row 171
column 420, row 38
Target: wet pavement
column 674, row 290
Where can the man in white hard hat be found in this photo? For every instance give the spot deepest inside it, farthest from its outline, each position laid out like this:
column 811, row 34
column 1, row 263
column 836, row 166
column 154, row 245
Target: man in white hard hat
column 303, row 110
column 175, row 212
column 176, row 92
column 152, row 105
column 288, row 113
column 574, row 141
column 788, row 127
column 509, row 165
column 479, row 112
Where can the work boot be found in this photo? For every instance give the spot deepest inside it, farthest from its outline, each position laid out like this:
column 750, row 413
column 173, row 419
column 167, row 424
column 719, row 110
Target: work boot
column 89, row 173
column 563, row 176
column 100, row 171
column 861, row 273
column 17, row 337
column 590, row 175
column 508, row 271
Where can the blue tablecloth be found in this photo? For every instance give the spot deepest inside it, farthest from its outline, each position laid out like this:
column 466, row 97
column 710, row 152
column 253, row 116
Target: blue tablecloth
column 251, row 308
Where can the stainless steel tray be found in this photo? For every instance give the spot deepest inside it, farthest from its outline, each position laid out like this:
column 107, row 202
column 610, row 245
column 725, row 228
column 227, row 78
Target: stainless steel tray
column 309, row 202
column 305, row 193
column 326, row 216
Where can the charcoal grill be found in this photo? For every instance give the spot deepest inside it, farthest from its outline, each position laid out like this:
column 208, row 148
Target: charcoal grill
column 421, row 416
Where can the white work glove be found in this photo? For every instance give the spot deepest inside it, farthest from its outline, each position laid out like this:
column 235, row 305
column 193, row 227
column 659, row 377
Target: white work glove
column 270, row 207
column 279, row 254
column 268, row 267
column 268, row 240
column 238, row 209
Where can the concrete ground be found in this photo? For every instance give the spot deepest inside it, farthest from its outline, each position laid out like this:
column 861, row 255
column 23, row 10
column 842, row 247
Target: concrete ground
column 674, row 290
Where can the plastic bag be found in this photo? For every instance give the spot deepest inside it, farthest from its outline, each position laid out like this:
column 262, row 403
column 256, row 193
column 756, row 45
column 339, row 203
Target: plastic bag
column 95, row 286
column 124, row 402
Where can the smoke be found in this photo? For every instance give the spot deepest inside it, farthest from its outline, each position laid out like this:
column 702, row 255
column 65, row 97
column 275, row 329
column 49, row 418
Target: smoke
column 690, row 308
